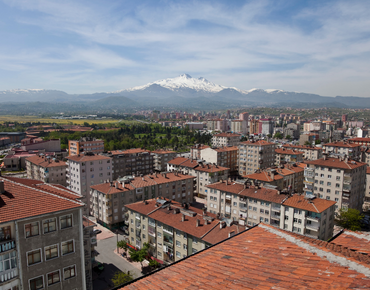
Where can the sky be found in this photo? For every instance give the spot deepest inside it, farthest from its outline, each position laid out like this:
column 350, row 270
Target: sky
column 80, row 46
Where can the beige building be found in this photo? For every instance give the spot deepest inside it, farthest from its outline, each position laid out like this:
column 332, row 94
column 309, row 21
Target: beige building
column 225, row 139
column 309, row 152
column 288, row 177
column 109, row 200
column 205, row 173
column 85, row 144
column 41, row 237
column 338, row 179
column 353, row 151
column 161, row 158
column 239, row 126
column 224, row 156
column 283, row 155
column 134, row 161
column 254, row 155
column 366, row 205
column 46, row 169
column 249, row 205
column 196, row 151
column 174, row 230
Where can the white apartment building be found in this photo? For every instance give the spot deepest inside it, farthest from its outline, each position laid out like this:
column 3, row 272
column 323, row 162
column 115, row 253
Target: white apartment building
column 239, row 126
column 338, row 179
column 224, row 156
column 86, row 170
column 254, row 155
column 161, row 158
column 353, row 151
column 225, row 139
column 309, row 152
column 249, row 205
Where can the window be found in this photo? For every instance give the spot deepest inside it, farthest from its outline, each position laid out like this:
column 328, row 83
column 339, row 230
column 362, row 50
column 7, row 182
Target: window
column 178, row 255
column 194, row 251
column 337, row 192
column 159, row 235
column 67, row 247
column 51, row 252
column 321, row 175
column 329, row 184
column 8, row 261
column 32, row 229
column 329, row 176
column 328, row 197
column 338, row 170
column 50, row 225
column 34, row 257
column 37, row 283
column 254, row 209
column 69, row 272
column 337, row 185
column 338, row 178
column 261, row 210
column 321, row 182
column 53, row 277
column 66, row 221
column 185, row 247
column 178, row 244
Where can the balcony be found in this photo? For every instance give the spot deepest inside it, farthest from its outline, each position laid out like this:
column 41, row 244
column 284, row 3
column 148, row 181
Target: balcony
column 94, row 241
column 7, row 245
column 276, row 208
column 275, row 217
column 308, row 181
column 314, row 227
column 8, row 275
column 312, row 218
column 312, row 236
column 346, row 188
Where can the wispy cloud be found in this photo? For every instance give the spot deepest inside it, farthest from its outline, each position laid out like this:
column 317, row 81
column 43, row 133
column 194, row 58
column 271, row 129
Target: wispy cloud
column 321, row 48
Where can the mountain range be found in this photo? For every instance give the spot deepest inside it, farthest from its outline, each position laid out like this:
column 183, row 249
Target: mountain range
column 182, row 92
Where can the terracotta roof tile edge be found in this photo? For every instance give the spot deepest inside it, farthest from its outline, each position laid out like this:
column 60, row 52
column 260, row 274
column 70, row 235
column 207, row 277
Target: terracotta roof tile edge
column 325, row 255
column 174, row 263
column 359, row 236
column 210, row 230
column 62, row 189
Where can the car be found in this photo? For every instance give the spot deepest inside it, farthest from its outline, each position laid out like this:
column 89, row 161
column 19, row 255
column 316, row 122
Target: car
column 97, row 231
column 99, row 267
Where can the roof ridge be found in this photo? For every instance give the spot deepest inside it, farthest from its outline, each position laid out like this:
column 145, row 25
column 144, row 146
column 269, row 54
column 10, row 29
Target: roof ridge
column 210, row 230
column 58, row 188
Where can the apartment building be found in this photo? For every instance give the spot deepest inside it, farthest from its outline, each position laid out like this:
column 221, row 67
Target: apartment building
column 109, row 200
column 239, row 126
column 353, row 151
column 224, row 156
column 225, row 139
column 196, row 151
column 217, row 125
column 309, row 152
column 365, row 155
column 41, row 237
column 293, row 130
column 287, row 177
column 283, row 155
column 174, row 230
column 161, row 158
column 339, row 179
column 254, row 127
column 254, row 155
column 85, row 144
column 361, row 141
column 267, row 126
column 134, row 161
column 248, row 204
column 46, row 169
column 86, row 170
column 90, row 241
column 205, row 173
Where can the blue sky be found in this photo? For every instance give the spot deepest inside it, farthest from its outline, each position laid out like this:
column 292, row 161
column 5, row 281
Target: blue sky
column 94, row 46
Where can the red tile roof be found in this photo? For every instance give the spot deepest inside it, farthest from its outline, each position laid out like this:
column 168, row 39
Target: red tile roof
column 87, row 158
column 357, row 241
column 21, row 201
column 264, row 257
column 317, row 205
column 40, row 161
column 227, row 135
column 201, row 166
column 87, row 222
column 264, row 176
column 226, row 149
column 341, row 144
column 161, row 151
column 336, row 163
column 287, row 151
column 257, row 143
column 302, row 147
column 129, row 151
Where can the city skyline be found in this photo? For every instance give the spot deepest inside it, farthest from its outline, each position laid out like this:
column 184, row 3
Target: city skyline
column 87, row 47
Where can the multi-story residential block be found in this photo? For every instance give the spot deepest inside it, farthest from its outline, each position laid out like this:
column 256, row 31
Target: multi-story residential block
column 284, row 155
column 174, row 230
column 86, row 170
column 267, row 126
column 52, row 145
column 109, row 200
column 239, row 126
column 225, row 139
column 224, row 156
column 309, row 152
column 161, row 158
column 217, row 125
column 293, row 130
column 41, row 237
column 15, row 137
column 90, row 253
column 131, row 162
column 85, row 144
column 365, row 155
column 205, row 173
column 46, row 169
column 361, row 141
column 339, row 179
column 254, row 126
column 353, row 151
column 195, row 151
column 254, row 155
column 250, row 205
column 287, row 177
column 366, row 205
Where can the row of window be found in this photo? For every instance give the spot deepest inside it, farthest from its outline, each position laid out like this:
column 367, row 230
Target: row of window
column 49, row 225
column 52, row 278
column 50, row 252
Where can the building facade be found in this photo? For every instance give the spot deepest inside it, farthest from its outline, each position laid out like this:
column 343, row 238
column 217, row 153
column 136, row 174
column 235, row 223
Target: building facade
column 309, row 152
column 161, row 158
column 283, row 155
column 85, row 144
column 353, row 151
column 225, row 139
column 225, row 157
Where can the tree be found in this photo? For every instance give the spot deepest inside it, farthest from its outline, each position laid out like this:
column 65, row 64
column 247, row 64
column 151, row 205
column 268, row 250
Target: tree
column 288, row 137
column 307, row 143
column 139, row 255
column 350, row 219
column 278, row 135
column 120, row 278
column 154, row 264
column 123, row 245
column 318, row 141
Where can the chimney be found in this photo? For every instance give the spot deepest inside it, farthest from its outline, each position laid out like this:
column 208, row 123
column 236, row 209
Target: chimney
column 198, row 222
column 204, row 211
column 232, row 233
column 116, row 184
column 222, row 224
column 324, row 156
column 206, row 222
column 182, row 217
column 2, row 190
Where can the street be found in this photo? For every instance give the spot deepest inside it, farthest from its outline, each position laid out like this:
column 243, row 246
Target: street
column 112, row 263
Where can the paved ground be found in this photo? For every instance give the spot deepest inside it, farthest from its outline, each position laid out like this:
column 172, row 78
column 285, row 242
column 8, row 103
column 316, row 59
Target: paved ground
column 112, row 262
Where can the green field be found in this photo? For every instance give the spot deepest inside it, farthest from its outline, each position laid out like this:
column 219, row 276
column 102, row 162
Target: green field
column 35, row 119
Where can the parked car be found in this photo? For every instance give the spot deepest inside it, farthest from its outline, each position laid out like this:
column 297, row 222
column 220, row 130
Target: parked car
column 97, row 231
column 99, row 268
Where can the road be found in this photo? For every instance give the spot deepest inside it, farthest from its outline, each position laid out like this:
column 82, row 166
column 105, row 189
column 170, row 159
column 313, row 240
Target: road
column 112, row 263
